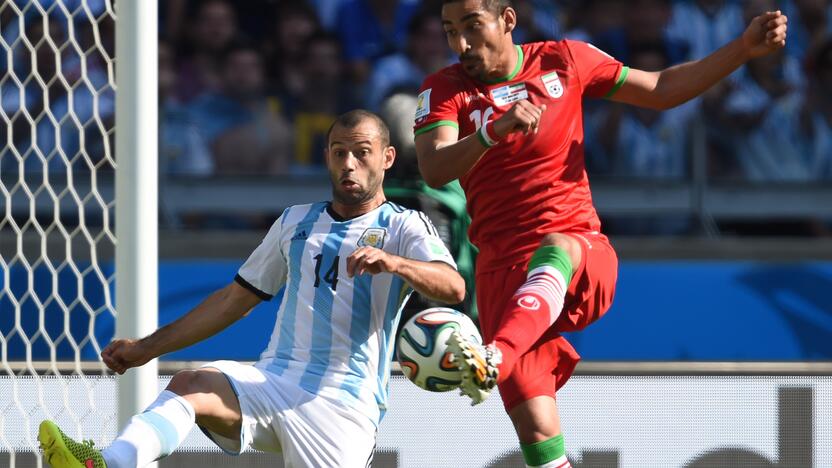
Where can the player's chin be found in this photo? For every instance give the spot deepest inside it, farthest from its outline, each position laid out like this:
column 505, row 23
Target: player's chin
column 350, row 196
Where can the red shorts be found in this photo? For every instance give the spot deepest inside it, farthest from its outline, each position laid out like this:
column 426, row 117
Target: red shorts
column 551, row 360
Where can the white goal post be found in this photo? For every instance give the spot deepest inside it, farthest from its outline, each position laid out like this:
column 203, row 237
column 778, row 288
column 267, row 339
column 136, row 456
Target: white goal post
column 78, row 261
column 137, row 193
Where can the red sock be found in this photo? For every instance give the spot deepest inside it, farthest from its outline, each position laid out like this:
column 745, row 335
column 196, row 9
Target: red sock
column 534, row 307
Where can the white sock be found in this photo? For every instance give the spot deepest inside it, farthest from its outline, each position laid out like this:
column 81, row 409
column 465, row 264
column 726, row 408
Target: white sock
column 153, row 434
column 561, row 462
column 548, row 283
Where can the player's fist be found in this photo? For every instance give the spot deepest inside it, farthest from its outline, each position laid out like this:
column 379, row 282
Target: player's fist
column 121, row 355
column 765, row 34
column 522, row 117
column 371, row 260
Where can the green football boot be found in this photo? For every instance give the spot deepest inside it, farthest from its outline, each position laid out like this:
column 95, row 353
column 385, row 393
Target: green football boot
column 60, row 451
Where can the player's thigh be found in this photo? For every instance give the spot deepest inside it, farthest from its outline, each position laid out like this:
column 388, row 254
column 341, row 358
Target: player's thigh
column 210, row 393
column 326, row 432
column 592, row 288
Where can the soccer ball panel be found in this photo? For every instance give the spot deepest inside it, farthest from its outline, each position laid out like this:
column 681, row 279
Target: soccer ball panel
column 422, row 351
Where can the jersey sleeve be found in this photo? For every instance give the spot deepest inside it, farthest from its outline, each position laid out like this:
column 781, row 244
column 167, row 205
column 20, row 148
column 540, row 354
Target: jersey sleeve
column 420, row 240
column 264, row 273
column 436, row 105
column 600, row 74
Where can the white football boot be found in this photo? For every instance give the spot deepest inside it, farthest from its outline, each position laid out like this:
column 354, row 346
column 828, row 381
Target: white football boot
column 478, row 364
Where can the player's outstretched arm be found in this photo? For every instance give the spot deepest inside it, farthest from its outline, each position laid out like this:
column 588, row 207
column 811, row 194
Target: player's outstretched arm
column 680, row 83
column 215, row 313
column 436, row 280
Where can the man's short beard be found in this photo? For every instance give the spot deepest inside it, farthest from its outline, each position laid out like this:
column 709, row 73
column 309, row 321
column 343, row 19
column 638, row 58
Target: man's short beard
column 353, row 198
column 350, row 198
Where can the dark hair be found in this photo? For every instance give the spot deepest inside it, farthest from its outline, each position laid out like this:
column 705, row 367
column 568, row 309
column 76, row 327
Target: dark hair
column 354, row 118
column 495, row 6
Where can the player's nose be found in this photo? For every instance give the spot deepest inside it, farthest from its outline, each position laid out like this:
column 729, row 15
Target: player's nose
column 350, row 162
column 460, row 45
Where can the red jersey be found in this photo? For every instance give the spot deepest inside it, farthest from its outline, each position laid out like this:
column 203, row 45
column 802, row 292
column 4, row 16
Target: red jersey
column 526, row 186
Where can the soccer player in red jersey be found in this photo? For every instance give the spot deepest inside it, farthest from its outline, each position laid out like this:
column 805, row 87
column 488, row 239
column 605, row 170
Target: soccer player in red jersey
column 507, row 122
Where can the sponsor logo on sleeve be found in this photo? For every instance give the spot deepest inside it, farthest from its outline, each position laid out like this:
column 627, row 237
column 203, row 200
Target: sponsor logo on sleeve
column 437, row 247
column 423, row 104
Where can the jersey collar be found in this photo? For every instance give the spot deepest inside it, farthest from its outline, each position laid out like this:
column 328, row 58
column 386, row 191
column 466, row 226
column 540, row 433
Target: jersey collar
column 517, row 67
column 340, row 219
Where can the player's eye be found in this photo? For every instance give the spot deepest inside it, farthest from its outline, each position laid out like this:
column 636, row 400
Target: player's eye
column 450, row 33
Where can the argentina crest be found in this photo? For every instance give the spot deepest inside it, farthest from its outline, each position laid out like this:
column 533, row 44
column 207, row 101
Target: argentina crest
column 553, row 85
column 373, row 237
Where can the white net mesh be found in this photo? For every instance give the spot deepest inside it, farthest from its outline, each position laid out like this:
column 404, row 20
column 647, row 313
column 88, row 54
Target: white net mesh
column 56, row 232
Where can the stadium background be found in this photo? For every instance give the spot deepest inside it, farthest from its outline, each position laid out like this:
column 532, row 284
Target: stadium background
column 721, row 210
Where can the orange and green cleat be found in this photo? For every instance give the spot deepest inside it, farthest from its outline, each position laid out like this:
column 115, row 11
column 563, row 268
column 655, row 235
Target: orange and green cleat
column 60, row 451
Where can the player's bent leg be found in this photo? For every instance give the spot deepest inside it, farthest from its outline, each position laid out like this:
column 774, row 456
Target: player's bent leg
column 215, row 404
column 566, row 242
column 202, row 395
column 539, row 301
column 61, row 451
column 537, row 424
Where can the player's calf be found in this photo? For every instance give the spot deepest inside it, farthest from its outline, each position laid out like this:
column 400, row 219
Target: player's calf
column 478, row 364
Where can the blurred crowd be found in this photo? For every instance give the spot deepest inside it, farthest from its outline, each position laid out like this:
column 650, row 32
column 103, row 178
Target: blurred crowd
column 254, row 85
column 251, row 87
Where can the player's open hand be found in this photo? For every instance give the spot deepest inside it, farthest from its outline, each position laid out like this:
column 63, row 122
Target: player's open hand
column 522, row 117
column 765, row 34
column 121, row 355
column 370, row 260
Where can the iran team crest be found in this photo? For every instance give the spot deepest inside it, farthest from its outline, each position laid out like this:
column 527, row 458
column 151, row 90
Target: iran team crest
column 553, row 85
column 373, row 237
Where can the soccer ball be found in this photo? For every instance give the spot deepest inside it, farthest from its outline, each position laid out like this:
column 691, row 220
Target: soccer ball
column 422, row 351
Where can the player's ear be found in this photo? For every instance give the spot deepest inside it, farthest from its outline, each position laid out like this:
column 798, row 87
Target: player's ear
column 389, row 157
column 509, row 19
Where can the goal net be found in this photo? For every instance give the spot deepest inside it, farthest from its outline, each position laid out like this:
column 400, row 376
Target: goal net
column 56, row 232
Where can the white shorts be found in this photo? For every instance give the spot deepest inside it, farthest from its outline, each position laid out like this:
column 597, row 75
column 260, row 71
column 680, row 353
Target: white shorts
column 279, row 416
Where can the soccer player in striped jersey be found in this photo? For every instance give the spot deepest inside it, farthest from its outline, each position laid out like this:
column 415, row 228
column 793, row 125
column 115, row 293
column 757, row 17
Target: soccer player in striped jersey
column 319, row 390
column 507, row 122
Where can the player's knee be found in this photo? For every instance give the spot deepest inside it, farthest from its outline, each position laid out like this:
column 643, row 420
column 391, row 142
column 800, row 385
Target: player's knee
column 188, row 382
column 181, row 382
column 567, row 243
column 195, row 386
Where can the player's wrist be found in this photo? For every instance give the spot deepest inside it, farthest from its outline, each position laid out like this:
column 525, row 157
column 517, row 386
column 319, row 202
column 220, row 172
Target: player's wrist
column 487, row 135
column 395, row 264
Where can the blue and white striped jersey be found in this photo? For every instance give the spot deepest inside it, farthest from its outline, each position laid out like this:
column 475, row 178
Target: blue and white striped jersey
column 334, row 335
